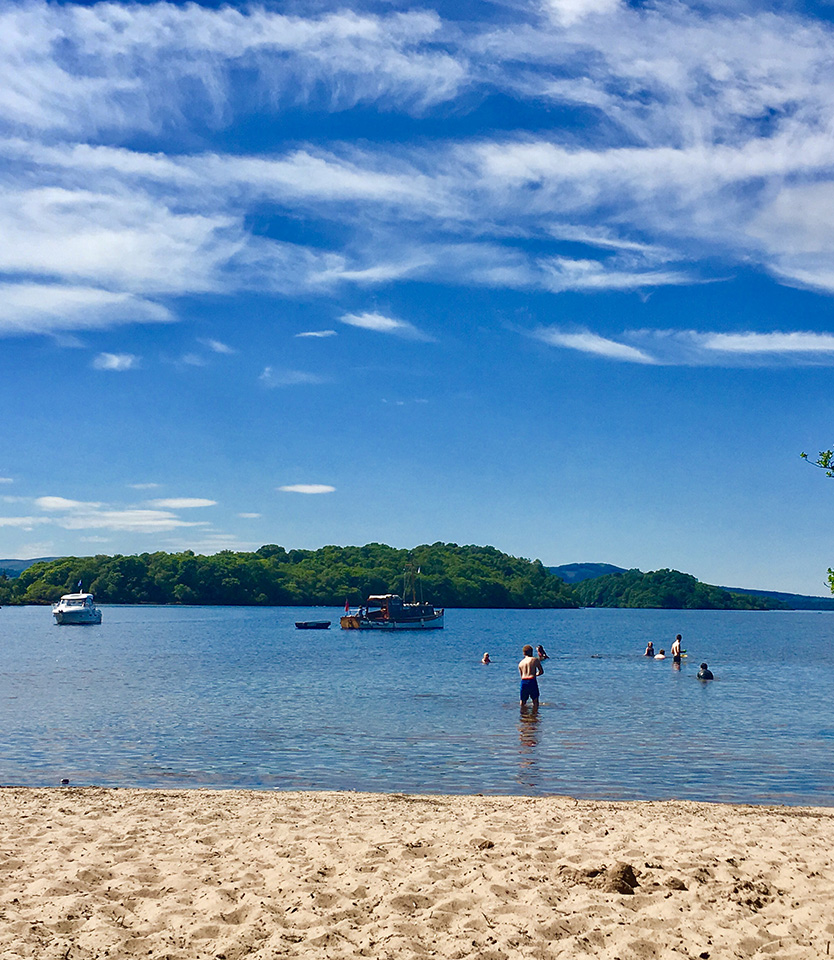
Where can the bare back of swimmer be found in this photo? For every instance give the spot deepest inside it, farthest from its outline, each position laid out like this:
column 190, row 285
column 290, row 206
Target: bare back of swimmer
column 529, row 668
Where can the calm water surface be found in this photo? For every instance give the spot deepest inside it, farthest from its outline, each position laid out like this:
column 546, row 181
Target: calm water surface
column 237, row 697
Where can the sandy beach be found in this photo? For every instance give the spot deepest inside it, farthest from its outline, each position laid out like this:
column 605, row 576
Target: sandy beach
column 94, row 873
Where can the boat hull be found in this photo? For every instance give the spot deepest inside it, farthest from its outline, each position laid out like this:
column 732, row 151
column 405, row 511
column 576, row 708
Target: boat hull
column 70, row 618
column 312, row 624
column 354, row 622
column 76, row 609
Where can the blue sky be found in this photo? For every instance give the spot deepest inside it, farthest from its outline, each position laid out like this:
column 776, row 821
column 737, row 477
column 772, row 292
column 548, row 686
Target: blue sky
column 556, row 276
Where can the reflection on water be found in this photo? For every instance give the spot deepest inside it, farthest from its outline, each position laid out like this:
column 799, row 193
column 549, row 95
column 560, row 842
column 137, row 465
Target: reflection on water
column 528, row 722
column 236, row 697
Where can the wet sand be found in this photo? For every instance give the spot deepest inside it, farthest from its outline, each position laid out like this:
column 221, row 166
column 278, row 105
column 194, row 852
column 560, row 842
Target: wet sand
column 94, row 873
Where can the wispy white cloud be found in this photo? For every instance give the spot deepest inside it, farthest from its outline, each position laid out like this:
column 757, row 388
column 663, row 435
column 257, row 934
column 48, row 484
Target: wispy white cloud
column 182, row 503
column 6, row 480
column 45, row 308
column 270, row 377
column 587, row 342
column 217, row 346
column 249, row 516
column 379, row 323
column 193, row 360
column 63, row 503
column 697, row 348
column 37, row 548
column 310, row 488
column 138, row 67
column 83, row 515
column 569, row 12
column 24, row 523
column 773, row 343
column 565, row 274
column 317, row 333
column 130, row 521
column 93, row 521
column 143, row 486
column 115, row 361
column 705, row 137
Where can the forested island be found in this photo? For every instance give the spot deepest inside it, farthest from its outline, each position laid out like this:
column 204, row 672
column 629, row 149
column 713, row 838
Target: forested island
column 667, row 589
column 449, row 576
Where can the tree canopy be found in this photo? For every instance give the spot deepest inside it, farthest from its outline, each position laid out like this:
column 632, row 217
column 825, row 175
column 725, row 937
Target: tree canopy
column 450, row 575
column 666, row 589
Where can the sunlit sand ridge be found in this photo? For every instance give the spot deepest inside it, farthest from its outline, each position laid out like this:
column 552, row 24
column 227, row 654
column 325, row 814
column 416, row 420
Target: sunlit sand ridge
column 92, row 873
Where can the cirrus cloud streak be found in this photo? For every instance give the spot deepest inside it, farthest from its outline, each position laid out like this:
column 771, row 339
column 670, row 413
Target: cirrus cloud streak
column 695, row 348
column 703, row 137
column 308, row 488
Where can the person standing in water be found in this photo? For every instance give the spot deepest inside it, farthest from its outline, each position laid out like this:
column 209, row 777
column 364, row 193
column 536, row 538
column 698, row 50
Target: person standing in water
column 676, row 649
column 649, row 649
column 529, row 668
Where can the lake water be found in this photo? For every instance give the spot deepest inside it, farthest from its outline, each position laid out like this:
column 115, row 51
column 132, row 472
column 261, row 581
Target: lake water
column 237, row 697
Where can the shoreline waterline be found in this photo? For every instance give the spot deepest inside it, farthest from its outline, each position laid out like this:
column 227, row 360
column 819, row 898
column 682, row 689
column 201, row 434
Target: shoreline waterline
column 799, row 809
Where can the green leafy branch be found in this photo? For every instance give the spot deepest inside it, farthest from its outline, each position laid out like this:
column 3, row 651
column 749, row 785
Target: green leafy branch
column 825, row 461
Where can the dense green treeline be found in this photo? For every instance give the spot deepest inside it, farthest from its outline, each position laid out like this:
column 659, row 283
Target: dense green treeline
column 667, row 589
column 451, row 575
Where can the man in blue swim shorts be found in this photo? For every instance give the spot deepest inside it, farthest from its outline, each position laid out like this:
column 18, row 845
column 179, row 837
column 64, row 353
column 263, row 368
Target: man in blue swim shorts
column 529, row 668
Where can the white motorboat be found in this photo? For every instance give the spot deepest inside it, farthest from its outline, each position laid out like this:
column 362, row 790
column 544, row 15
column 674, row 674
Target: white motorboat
column 76, row 608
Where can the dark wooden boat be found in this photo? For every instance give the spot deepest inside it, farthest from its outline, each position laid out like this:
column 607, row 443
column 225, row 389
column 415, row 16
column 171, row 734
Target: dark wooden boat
column 389, row 611
column 312, row 624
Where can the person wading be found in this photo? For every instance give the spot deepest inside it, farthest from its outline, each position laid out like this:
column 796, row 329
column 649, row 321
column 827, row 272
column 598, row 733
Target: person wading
column 529, row 668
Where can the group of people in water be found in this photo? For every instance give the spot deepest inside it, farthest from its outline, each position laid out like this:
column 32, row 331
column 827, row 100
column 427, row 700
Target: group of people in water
column 530, row 667
column 677, row 654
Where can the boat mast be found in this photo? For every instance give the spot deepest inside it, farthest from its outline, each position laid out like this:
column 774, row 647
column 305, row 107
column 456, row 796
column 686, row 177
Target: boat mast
column 408, row 581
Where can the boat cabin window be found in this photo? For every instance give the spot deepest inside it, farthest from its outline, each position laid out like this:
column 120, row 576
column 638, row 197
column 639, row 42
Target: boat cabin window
column 77, row 601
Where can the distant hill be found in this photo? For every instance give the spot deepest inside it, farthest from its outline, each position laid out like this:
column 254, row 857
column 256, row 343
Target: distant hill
column 577, row 572
column 796, row 601
column 13, row 568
